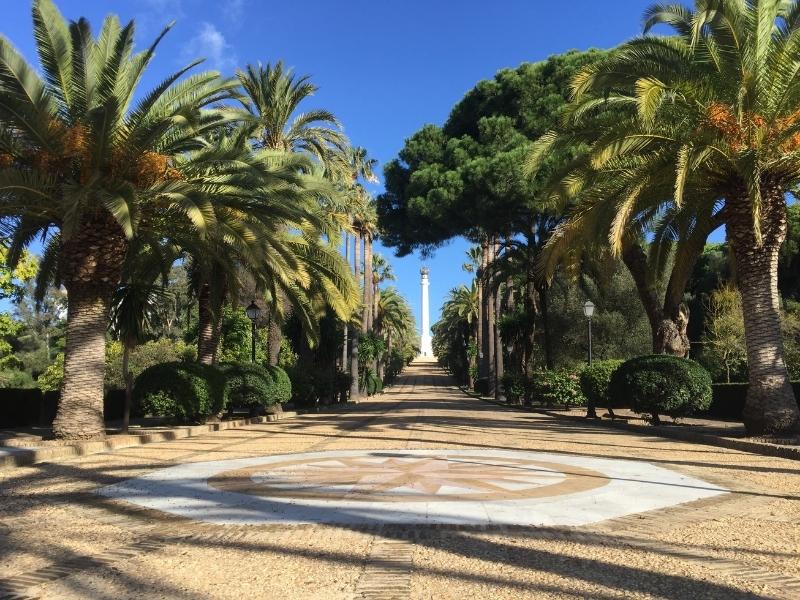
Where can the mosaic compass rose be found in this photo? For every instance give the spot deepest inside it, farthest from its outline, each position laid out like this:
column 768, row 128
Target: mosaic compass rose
column 388, row 477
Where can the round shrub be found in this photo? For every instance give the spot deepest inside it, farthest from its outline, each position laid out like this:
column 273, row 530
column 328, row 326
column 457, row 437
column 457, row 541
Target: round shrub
column 250, row 385
column 662, row 384
column 595, row 382
column 186, row 392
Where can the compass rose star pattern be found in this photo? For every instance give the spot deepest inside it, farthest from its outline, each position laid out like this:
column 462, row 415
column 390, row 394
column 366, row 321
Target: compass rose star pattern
column 403, row 478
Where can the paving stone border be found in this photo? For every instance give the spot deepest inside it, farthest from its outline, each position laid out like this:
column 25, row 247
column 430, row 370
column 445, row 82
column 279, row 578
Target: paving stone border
column 11, row 457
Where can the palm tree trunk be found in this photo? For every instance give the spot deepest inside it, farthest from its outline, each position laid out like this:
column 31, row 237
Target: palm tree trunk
column 206, row 349
column 346, row 327
column 92, row 262
column 274, row 342
column 366, row 319
column 354, row 387
column 126, row 372
column 770, row 406
column 80, row 409
column 483, row 316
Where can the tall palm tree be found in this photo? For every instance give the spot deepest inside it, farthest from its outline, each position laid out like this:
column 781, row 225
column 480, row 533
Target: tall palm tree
column 346, row 168
column 393, row 322
column 79, row 165
column 381, row 271
column 475, row 259
column 463, row 303
column 273, row 95
column 713, row 110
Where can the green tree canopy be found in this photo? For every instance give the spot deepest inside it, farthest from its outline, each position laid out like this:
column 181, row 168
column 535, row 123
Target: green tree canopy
column 448, row 181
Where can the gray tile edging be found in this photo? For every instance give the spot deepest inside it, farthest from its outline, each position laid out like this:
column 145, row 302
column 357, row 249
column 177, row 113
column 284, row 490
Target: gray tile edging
column 19, row 457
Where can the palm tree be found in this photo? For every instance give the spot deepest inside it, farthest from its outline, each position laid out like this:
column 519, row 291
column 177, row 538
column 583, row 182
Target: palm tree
column 475, row 260
column 463, row 303
column 381, row 271
column 273, row 95
column 346, row 168
column 393, row 321
column 85, row 170
column 715, row 111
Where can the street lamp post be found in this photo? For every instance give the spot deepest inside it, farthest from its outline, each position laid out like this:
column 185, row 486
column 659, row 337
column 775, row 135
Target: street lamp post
column 588, row 312
column 252, row 313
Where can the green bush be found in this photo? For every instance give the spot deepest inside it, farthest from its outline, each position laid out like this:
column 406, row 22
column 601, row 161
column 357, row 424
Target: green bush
column 595, row 382
column 661, row 384
column 251, row 385
column 374, row 384
column 514, row 387
column 145, row 355
column 557, row 387
column 186, row 392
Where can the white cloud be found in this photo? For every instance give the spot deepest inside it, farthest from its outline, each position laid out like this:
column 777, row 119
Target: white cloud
column 234, row 11
column 209, row 43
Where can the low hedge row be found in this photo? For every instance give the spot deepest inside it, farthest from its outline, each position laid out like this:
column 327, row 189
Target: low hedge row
column 29, row 407
column 559, row 387
column 189, row 392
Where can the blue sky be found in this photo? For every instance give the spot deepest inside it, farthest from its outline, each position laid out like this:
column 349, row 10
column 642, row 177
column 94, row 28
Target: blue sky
column 384, row 68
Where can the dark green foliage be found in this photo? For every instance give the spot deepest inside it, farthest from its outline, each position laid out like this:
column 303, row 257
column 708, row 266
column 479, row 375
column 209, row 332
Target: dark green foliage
column 595, row 382
column 514, row 387
column 343, row 383
column 660, row 384
column 186, row 392
column 468, row 173
column 482, row 386
column 789, row 263
column 728, row 400
column 557, row 387
column 252, row 385
column 372, row 383
column 317, row 385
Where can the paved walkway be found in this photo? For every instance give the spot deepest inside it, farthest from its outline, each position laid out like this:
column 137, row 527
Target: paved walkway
column 421, row 493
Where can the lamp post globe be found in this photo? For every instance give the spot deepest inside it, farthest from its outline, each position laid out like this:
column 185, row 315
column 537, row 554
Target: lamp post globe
column 588, row 309
column 252, row 312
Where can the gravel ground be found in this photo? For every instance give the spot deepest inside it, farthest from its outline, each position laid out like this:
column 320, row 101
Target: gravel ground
column 746, row 545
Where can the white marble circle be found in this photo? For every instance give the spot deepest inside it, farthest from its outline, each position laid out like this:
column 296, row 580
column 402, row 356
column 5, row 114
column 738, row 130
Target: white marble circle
column 466, row 487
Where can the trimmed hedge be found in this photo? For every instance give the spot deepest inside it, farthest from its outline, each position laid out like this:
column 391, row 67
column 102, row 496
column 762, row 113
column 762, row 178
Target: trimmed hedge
column 595, row 382
column 557, row 387
column 661, row 384
column 250, row 385
column 185, row 391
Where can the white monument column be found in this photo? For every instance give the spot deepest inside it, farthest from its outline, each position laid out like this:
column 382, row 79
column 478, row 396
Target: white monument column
column 425, row 348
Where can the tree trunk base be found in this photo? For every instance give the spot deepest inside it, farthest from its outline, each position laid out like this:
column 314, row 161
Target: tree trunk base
column 762, row 415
